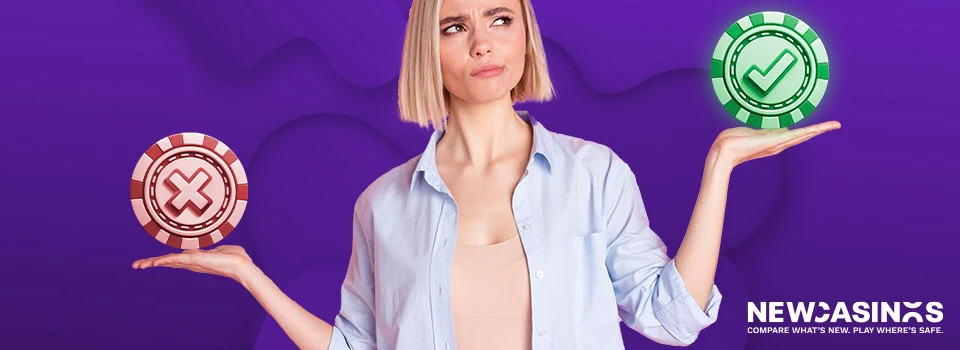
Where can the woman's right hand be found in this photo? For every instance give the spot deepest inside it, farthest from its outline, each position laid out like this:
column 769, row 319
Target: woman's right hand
column 226, row 260
column 305, row 329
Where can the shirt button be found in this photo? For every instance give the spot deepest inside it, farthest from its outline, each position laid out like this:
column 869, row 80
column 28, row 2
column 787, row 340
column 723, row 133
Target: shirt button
column 526, row 227
column 539, row 273
column 541, row 332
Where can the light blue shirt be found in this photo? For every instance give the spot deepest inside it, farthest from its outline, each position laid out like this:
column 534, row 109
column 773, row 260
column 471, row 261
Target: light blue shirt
column 593, row 259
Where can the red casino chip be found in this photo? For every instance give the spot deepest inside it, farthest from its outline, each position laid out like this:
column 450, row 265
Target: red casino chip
column 189, row 190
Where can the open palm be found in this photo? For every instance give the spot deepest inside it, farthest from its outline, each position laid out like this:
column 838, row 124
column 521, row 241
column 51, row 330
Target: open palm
column 225, row 260
column 742, row 144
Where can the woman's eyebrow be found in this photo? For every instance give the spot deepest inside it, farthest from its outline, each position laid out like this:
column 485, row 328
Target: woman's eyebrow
column 488, row 13
column 494, row 11
column 459, row 18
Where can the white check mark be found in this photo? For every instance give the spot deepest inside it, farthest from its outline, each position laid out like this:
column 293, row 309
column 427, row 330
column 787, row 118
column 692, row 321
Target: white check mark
column 766, row 80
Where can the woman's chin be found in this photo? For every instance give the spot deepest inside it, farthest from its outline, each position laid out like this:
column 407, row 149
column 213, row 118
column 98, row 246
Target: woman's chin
column 480, row 97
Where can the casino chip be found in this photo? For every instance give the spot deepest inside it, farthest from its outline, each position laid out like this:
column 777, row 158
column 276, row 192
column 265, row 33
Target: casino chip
column 189, row 190
column 769, row 70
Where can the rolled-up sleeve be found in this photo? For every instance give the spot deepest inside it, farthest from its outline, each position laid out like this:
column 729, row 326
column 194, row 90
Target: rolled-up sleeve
column 355, row 325
column 651, row 295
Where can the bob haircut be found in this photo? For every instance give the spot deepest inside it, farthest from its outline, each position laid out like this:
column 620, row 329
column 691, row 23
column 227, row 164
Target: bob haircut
column 421, row 96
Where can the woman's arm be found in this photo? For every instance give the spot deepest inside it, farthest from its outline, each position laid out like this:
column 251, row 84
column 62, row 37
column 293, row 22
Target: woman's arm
column 697, row 256
column 651, row 295
column 306, row 330
column 354, row 327
column 355, row 323
column 696, row 259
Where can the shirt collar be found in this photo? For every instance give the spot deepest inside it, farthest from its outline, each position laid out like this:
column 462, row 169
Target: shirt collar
column 543, row 145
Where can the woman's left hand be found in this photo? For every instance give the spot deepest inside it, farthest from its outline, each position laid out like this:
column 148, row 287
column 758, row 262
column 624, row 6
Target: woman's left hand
column 742, row 144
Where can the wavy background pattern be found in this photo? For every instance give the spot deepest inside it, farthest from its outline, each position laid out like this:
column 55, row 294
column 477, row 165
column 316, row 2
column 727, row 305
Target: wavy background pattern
column 304, row 91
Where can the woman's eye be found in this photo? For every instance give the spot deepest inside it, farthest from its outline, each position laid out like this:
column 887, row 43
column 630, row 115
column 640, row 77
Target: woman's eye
column 503, row 21
column 453, row 29
column 456, row 28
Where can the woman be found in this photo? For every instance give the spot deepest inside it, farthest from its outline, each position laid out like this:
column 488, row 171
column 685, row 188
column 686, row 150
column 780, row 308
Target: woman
column 502, row 234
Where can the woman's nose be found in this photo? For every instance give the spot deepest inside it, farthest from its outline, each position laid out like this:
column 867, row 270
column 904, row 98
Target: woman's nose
column 482, row 45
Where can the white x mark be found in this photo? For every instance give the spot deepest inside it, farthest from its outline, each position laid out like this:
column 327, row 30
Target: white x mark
column 189, row 191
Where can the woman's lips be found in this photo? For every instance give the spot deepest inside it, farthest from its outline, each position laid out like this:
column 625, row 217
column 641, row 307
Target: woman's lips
column 487, row 71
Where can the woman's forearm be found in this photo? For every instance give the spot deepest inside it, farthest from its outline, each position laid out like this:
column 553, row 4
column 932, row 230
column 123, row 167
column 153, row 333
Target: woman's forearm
column 697, row 256
column 306, row 330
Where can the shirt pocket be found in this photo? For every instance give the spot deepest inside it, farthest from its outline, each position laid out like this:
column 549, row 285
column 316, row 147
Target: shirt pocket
column 594, row 304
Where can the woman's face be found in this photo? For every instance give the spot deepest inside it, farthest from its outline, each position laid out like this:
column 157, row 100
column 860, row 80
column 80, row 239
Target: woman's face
column 482, row 47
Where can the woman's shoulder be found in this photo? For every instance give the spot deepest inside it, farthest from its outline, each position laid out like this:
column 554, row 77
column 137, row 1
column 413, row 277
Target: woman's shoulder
column 584, row 154
column 592, row 166
column 389, row 185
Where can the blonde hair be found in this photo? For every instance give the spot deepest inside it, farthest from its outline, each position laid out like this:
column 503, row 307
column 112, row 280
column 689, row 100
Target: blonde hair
column 421, row 96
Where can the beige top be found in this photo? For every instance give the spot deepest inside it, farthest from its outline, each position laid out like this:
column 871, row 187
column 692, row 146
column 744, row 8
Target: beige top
column 491, row 296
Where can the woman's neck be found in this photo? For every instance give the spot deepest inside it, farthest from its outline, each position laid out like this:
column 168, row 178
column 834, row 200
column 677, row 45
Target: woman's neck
column 478, row 135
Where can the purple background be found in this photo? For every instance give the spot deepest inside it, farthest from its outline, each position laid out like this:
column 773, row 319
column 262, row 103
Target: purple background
column 305, row 93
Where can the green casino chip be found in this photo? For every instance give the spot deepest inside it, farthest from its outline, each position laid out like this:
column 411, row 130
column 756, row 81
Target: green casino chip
column 769, row 70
